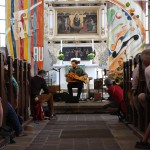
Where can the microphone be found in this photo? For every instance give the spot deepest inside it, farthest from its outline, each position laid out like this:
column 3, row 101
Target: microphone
column 54, row 69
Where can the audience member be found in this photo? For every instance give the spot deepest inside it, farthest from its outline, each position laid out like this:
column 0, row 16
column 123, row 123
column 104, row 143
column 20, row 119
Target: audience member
column 116, row 98
column 135, row 82
column 145, row 57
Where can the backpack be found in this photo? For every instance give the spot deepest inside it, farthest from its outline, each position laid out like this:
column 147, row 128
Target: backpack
column 39, row 113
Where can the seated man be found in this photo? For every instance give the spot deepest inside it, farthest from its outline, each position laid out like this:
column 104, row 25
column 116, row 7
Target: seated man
column 133, row 95
column 76, row 83
column 116, row 97
column 37, row 84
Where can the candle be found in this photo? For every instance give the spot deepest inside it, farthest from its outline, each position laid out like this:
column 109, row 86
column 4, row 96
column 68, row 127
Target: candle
column 103, row 19
column 61, row 45
column 92, row 45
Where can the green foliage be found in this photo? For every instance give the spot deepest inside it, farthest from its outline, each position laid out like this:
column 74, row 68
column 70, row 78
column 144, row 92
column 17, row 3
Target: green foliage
column 61, row 56
column 91, row 56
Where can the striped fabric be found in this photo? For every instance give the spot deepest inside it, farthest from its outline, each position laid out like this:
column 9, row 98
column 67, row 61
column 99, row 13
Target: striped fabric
column 24, row 30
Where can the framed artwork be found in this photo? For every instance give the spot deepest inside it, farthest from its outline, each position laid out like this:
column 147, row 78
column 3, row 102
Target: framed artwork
column 76, row 52
column 74, row 21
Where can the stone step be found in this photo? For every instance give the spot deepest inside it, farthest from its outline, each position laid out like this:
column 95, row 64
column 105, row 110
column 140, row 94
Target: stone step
column 85, row 107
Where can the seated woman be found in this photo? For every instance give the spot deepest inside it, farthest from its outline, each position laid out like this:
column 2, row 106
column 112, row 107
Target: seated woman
column 116, row 98
column 145, row 57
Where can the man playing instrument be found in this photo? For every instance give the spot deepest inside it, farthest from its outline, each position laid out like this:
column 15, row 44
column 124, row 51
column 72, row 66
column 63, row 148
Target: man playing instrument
column 76, row 83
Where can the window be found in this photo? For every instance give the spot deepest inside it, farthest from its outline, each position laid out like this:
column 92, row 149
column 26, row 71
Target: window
column 2, row 24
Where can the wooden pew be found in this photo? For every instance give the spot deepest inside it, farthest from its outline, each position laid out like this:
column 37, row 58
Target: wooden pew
column 10, row 87
column 129, row 89
column 124, row 85
column 3, row 94
column 21, row 87
column 126, row 89
column 26, row 90
column 135, row 112
column 16, row 65
column 141, row 89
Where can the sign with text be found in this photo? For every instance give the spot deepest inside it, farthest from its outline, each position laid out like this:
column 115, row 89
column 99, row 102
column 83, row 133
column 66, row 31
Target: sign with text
column 38, row 54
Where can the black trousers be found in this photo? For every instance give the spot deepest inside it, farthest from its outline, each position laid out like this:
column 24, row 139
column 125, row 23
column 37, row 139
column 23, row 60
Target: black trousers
column 78, row 85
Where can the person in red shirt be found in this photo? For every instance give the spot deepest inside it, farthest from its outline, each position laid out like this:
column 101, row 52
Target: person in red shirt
column 116, row 97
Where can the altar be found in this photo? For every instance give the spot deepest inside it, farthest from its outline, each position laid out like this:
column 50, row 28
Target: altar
column 91, row 69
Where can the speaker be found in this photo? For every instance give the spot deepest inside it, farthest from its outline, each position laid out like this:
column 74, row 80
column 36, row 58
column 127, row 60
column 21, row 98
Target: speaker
column 98, row 83
column 61, row 97
column 73, row 99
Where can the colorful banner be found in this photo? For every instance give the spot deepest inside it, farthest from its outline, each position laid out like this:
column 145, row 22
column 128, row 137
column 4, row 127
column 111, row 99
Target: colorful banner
column 24, row 30
column 126, row 30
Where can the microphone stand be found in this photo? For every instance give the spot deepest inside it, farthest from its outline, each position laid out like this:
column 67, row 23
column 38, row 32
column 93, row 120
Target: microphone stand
column 59, row 78
column 58, row 70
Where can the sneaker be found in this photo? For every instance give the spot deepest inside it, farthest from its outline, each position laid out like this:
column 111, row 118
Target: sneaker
column 53, row 117
column 21, row 134
column 142, row 145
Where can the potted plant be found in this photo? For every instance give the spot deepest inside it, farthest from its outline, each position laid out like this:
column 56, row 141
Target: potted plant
column 91, row 56
column 61, row 57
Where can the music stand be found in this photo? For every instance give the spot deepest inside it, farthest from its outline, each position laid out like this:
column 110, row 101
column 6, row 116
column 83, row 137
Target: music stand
column 98, row 84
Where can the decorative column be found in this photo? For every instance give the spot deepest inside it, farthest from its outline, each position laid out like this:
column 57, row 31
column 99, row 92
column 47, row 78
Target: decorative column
column 103, row 22
column 51, row 22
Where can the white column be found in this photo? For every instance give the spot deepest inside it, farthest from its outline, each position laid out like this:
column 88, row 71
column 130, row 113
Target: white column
column 51, row 22
column 103, row 21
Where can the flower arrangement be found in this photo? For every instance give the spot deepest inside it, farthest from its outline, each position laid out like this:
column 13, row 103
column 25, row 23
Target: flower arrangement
column 61, row 56
column 91, row 56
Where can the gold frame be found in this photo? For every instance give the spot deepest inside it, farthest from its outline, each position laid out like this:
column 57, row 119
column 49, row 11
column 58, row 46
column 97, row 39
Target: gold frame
column 96, row 9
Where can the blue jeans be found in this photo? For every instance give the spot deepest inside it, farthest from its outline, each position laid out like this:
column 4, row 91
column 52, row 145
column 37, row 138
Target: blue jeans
column 12, row 119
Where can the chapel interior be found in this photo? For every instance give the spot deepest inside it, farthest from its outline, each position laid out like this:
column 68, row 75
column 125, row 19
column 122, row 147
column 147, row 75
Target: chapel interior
column 107, row 40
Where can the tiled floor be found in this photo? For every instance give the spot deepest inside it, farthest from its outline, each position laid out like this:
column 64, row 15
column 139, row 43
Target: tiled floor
column 78, row 132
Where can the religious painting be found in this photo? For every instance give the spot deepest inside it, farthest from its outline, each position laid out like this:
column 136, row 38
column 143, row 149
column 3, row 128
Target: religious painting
column 76, row 52
column 77, row 21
